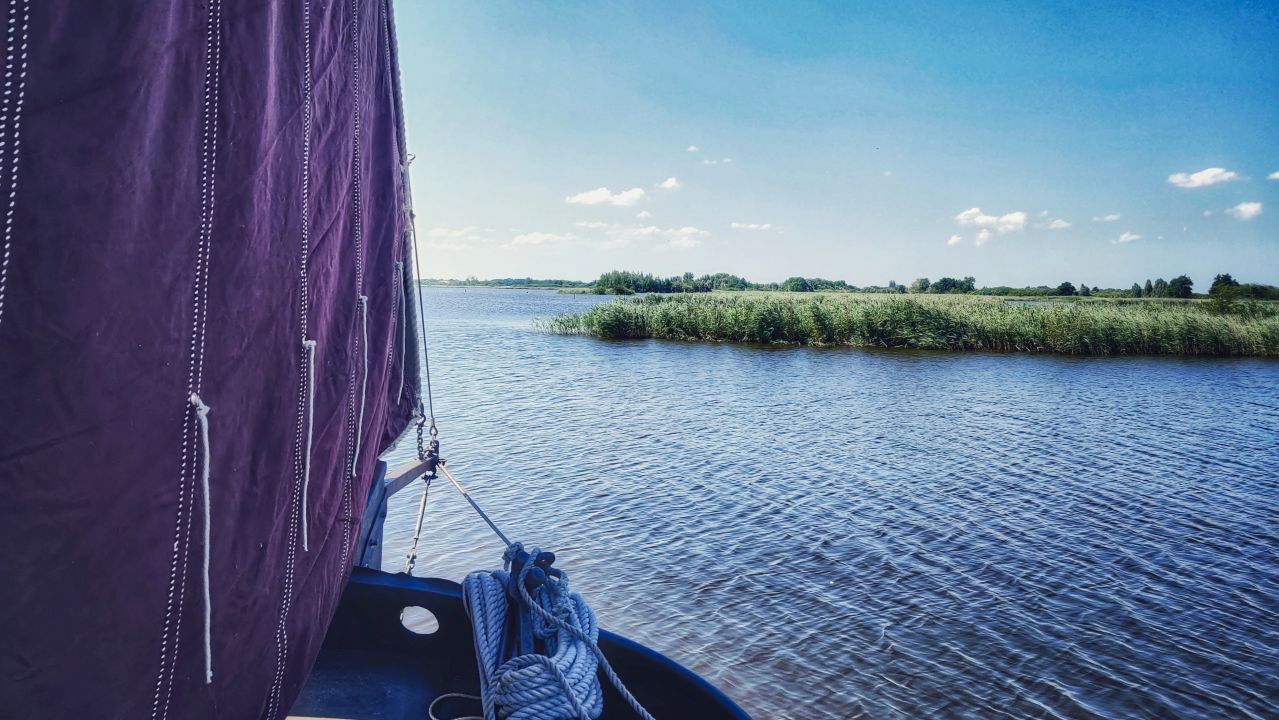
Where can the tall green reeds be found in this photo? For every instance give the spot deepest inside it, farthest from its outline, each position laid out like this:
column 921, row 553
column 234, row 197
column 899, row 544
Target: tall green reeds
column 934, row 322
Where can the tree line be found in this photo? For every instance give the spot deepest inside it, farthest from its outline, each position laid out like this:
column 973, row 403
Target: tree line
column 620, row 282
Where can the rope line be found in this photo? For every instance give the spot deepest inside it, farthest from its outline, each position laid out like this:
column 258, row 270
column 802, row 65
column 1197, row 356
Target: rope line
column 308, row 347
column 429, row 415
column 16, row 141
column 202, row 415
column 399, row 273
column 364, row 383
column 505, row 540
column 410, row 560
column 430, row 711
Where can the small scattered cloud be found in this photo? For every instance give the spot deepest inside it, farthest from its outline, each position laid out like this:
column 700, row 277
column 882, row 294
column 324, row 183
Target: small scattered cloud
column 955, row 239
column 1204, row 178
column 717, row 162
column 1058, row 224
column 983, row 236
column 1043, row 213
column 669, row 183
column 678, row 238
column 1207, row 213
column 616, row 235
column 727, row 160
column 454, row 239
column 602, row 196
column 888, row 173
column 644, row 215
column 1245, row 210
column 692, row 148
column 1273, row 176
column 1006, row 223
column 533, row 239
column 1127, row 237
column 1112, row 217
column 751, row 226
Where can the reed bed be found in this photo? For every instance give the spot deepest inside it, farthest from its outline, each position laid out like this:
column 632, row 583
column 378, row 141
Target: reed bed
column 956, row 322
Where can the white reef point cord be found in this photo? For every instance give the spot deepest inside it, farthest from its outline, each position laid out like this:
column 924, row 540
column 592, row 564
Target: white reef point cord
column 399, row 271
column 308, row 347
column 202, row 415
column 364, row 384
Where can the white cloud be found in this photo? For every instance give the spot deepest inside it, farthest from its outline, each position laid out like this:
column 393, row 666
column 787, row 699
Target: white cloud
column 751, row 226
column 1203, row 178
column 1127, row 238
column 710, row 162
column 1112, row 217
column 692, row 148
column 1245, row 210
column 453, row 239
column 1009, row 222
column 1043, row 213
column 1207, row 213
column 538, row 238
column 678, row 238
column 983, row 236
column 669, row 183
column 727, row 160
column 602, row 196
column 644, row 215
column 594, row 224
column 470, row 232
column 888, row 173
column 1273, row 176
column 1058, row 224
column 955, row 239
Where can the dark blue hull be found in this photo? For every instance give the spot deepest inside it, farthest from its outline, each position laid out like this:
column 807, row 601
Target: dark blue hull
column 372, row 667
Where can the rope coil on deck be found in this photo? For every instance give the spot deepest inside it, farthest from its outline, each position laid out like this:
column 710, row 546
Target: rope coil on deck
column 561, row 683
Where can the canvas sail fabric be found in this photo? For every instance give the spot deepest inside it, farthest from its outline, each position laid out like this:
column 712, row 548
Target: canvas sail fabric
column 188, row 192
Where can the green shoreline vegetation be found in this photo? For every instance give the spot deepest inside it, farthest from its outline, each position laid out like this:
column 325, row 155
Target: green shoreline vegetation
column 1216, row 327
column 510, row 284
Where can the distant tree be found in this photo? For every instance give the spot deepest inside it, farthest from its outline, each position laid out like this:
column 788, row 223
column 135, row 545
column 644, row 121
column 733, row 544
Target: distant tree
column 920, row 285
column 1065, row 289
column 1180, row 287
column 968, row 285
column 1149, row 290
column 946, row 285
column 892, row 285
column 1161, row 287
column 1258, row 292
column 1084, row 291
column 1135, row 291
column 796, row 284
column 1223, row 284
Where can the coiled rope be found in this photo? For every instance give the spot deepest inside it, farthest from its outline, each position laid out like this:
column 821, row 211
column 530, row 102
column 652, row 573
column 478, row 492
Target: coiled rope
column 551, row 672
column 561, row 683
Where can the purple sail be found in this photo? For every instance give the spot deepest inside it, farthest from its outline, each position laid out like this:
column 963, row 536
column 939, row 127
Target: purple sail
column 191, row 192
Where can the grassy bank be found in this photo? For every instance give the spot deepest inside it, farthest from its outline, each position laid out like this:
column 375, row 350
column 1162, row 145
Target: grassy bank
column 938, row 322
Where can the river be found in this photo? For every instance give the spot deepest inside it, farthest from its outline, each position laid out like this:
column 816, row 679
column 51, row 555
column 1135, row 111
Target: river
column 842, row 533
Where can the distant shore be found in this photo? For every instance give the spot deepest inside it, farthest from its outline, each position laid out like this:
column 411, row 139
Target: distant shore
column 1082, row 326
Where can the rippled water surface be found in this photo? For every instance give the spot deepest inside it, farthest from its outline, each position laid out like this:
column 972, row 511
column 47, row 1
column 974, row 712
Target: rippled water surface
column 830, row 533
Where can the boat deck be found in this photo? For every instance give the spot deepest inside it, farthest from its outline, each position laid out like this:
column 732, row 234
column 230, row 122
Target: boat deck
column 374, row 668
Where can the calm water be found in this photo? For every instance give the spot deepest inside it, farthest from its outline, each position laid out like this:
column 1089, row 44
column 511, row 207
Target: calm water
column 844, row 534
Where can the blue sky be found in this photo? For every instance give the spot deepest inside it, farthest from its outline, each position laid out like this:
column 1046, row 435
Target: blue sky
column 1032, row 143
